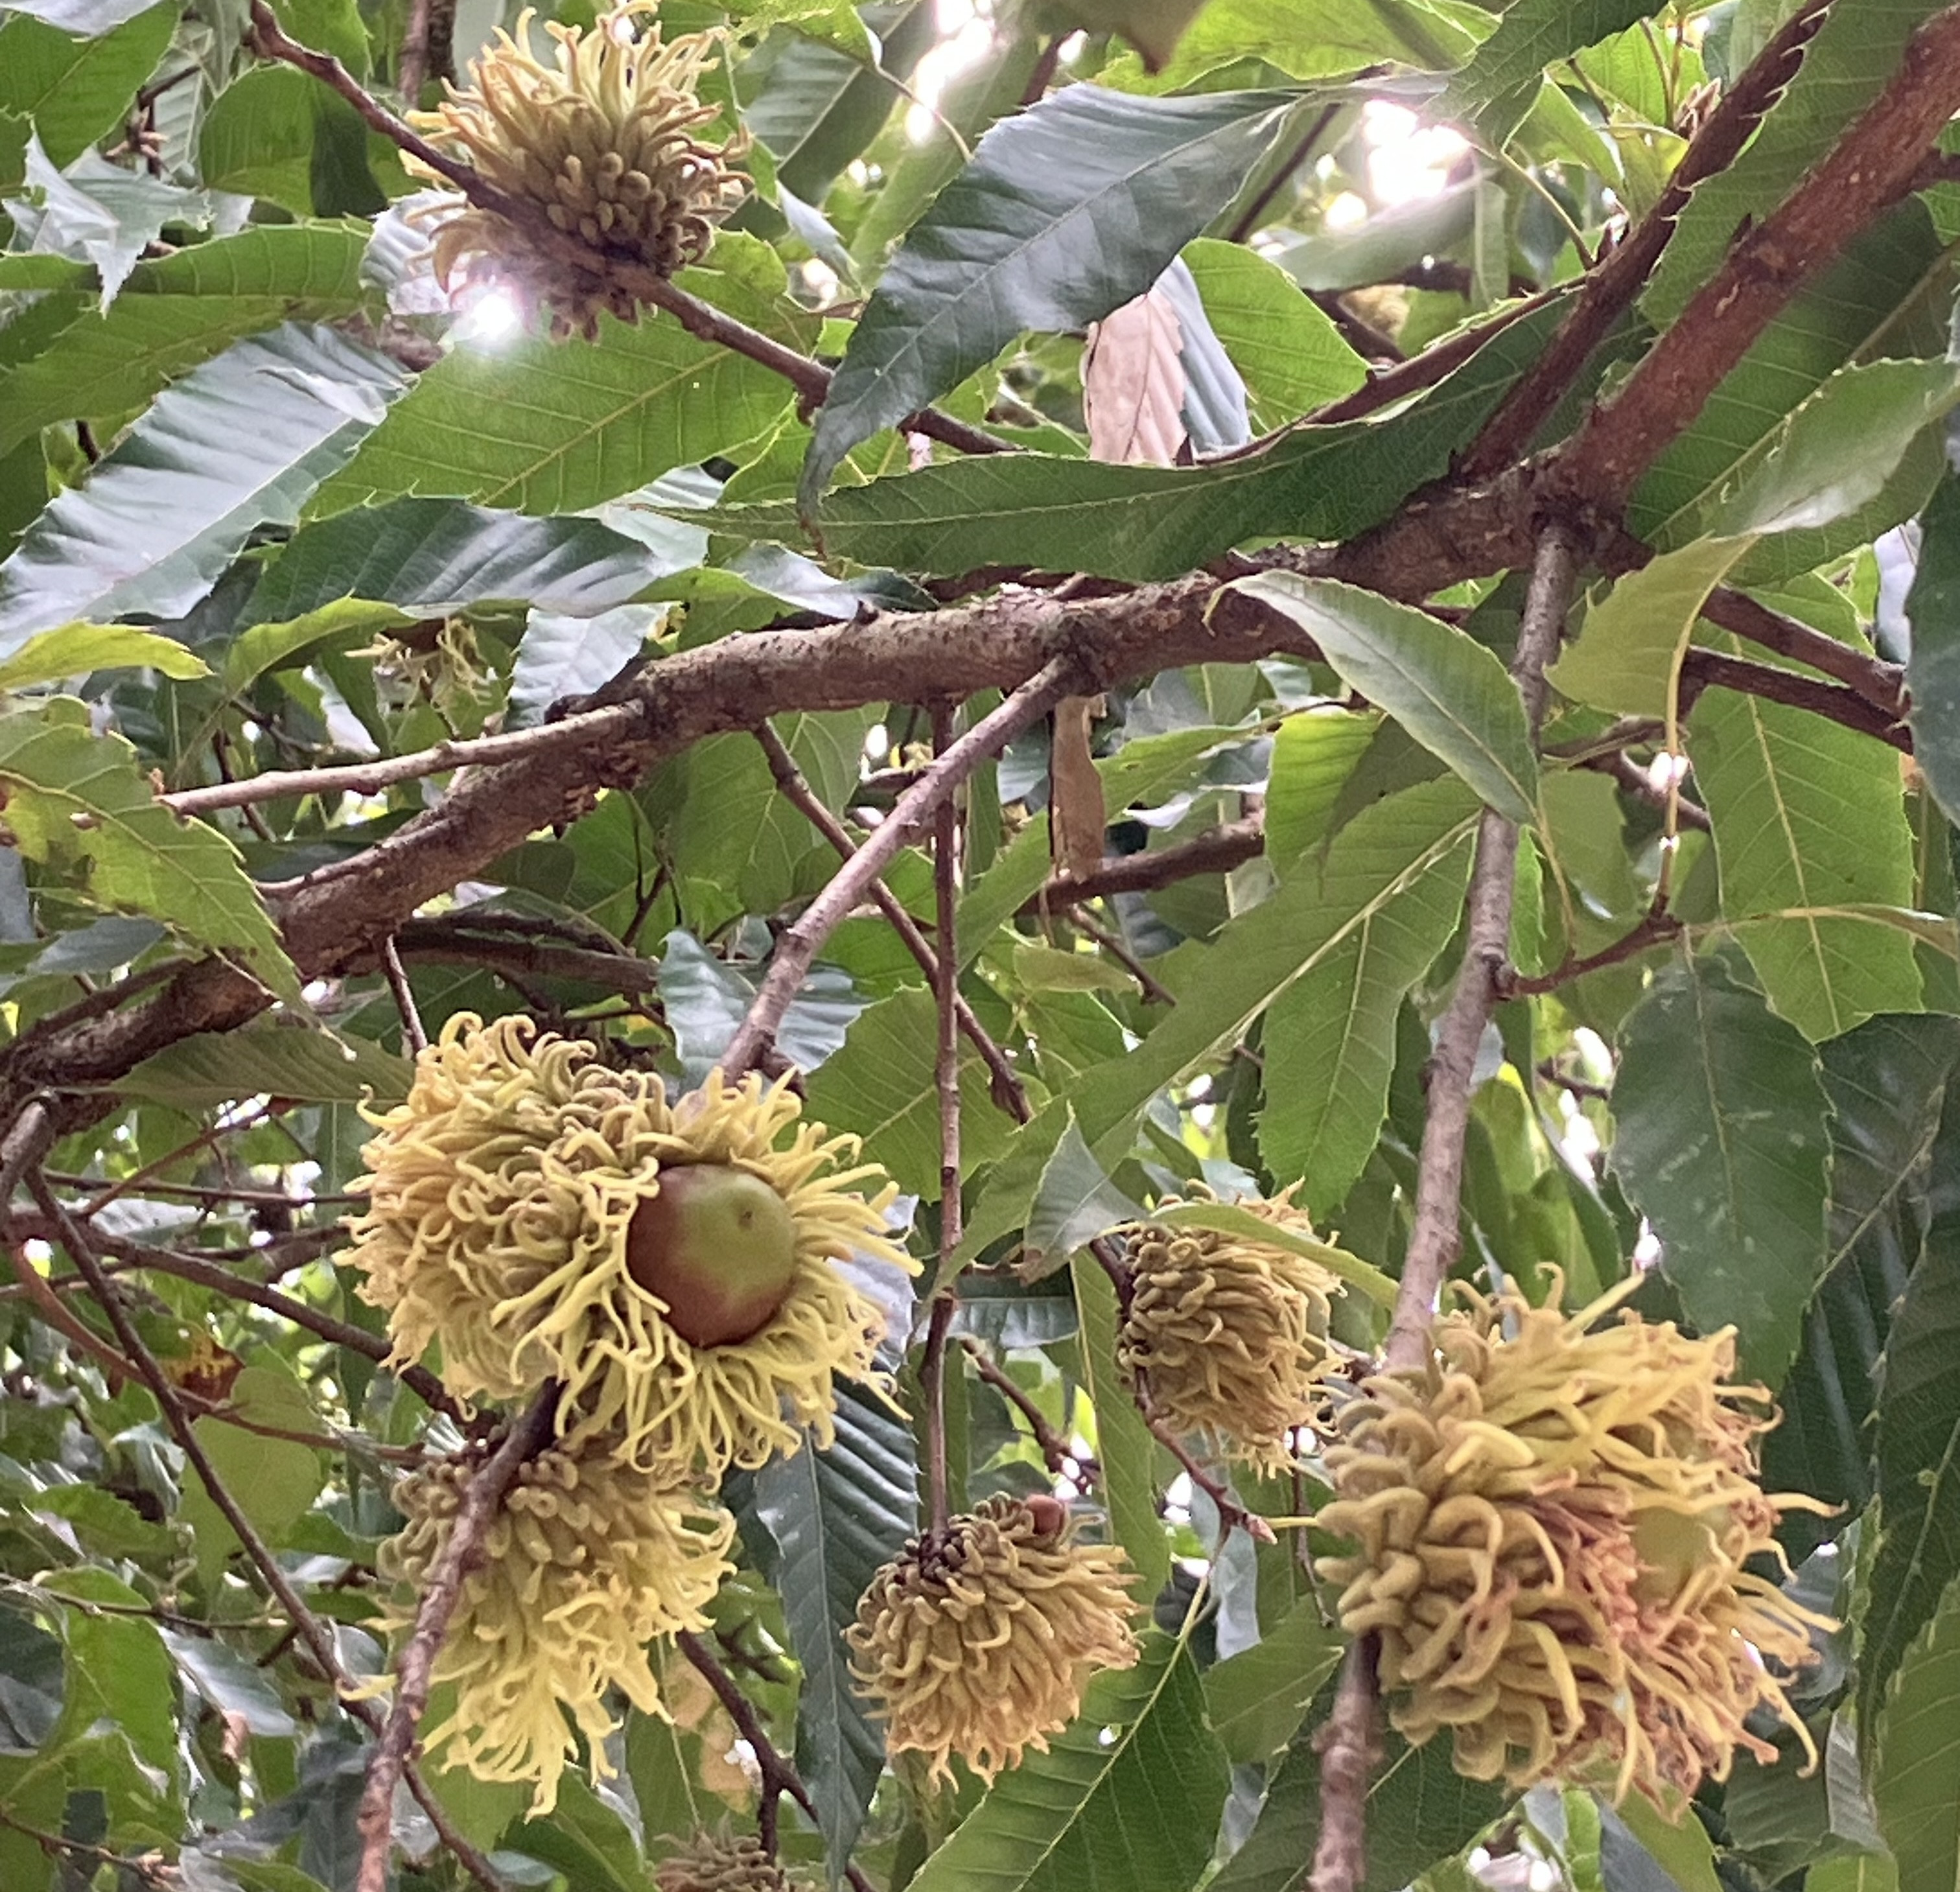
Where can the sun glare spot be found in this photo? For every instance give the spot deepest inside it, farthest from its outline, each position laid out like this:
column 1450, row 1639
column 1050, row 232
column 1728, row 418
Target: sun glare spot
column 491, row 319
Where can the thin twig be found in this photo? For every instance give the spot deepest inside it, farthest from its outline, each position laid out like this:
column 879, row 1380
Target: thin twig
column 779, row 1776
column 1284, row 173
column 1217, row 851
column 909, row 816
column 1433, row 1235
column 1629, row 775
column 702, row 319
column 114, row 1191
column 946, row 1084
column 413, row 1036
column 309, row 1630
column 462, row 1551
column 216, row 1192
column 1007, row 1090
column 370, row 777
column 1654, row 929
column 190, row 1267
column 1346, row 1741
column 1062, row 1459
column 1153, row 990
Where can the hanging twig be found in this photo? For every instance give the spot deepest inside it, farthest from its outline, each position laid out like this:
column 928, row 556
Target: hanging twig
column 946, row 1084
column 702, row 319
column 1248, row 220
column 779, row 1776
column 413, row 1036
column 442, row 1585
column 1062, row 1459
column 1347, row 1739
column 310, row 1630
column 910, row 815
column 1153, row 990
column 1008, row 1091
column 208, row 1274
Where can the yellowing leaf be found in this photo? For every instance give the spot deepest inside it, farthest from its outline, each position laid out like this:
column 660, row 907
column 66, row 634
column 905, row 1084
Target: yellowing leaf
column 77, row 801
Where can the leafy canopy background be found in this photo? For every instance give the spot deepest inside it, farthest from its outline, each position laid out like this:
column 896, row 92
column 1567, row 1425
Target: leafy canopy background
column 1702, row 1004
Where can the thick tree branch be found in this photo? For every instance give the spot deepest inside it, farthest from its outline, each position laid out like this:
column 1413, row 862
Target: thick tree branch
column 1609, row 288
column 1871, row 165
column 790, row 964
column 1340, row 1856
column 462, row 1550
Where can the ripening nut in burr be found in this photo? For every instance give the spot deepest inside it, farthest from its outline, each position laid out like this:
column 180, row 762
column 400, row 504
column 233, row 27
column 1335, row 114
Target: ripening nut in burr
column 603, row 145
column 711, row 1862
column 671, row 1265
column 979, row 1640
column 1229, row 1335
column 586, row 1563
column 1552, row 1519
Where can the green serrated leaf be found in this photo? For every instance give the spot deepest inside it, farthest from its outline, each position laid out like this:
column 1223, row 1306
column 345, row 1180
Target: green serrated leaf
column 1532, row 35
column 1887, row 1082
column 1918, row 1440
column 1221, row 987
column 1125, row 1449
column 1259, row 1697
column 238, row 444
column 835, row 1517
column 74, row 650
column 1917, row 1740
column 177, row 311
column 429, row 556
column 1776, row 781
column 1421, row 1811
column 74, row 90
column 1126, row 1799
column 1315, row 753
column 1293, row 357
column 1442, row 686
column 79, row 801
column 1066, row 211
column 1074, row 1204
column 538, row 427
column 1932, row 667
column 1721, row 1141
column 1628, row 656
column 1144, row 522
column 267, row 1057
column 1230, row 1219
column 880, row 1086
